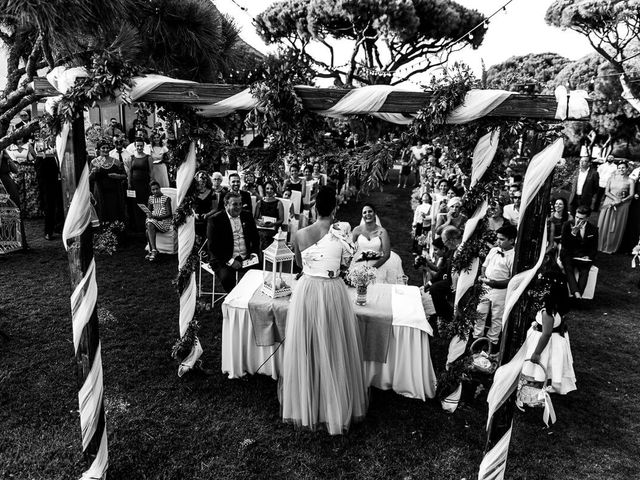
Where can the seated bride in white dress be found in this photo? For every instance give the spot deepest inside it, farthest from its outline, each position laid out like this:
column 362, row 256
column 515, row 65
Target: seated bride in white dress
column 374, row 248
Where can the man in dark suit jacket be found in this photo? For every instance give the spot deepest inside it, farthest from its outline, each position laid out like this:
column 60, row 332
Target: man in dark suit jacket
column 579, row 246
column 584, row 188
column 232, row 237
column 234, row 184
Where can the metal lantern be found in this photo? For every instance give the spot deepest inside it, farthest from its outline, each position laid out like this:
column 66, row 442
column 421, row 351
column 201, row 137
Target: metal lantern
column 277, row 268
column 10, row 237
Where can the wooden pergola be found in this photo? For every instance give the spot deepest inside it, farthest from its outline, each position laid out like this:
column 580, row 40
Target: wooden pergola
column 532, row 224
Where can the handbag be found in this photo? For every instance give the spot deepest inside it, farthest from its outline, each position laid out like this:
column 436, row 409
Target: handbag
column 483, row 362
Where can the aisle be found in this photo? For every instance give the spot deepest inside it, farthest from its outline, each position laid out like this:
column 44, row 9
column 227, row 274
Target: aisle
column 394, row 209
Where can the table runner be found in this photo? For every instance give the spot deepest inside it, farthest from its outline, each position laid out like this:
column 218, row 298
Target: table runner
column 268, row 317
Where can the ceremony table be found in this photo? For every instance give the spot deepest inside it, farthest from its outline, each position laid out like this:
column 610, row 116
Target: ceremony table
column 408, row 369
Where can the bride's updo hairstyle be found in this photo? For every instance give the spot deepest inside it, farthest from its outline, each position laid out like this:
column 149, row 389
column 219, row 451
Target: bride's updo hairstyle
column 325, row 201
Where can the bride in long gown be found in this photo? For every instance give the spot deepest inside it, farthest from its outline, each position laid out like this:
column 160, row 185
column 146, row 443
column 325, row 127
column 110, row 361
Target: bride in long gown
column 322, row 379
column 374, row 248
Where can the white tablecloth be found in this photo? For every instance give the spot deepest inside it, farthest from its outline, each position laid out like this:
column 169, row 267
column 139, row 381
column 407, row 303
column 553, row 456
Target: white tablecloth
column 408, row 370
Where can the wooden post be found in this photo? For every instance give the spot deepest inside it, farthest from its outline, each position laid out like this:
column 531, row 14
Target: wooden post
column 80, row 256
column 530, row 231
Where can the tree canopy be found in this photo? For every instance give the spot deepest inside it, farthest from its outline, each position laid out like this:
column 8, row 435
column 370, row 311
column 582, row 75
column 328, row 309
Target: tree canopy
column 188, row 39
column 382, row 36
column 539, row 68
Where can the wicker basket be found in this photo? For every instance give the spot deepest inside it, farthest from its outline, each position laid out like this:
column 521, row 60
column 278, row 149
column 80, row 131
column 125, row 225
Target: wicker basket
column 531, row 392
column 482, row 362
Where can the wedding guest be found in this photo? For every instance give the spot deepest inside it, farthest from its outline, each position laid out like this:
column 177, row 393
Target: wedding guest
column 442, row 292
column 234, row 184
column 218, row 191
column 158, row 218
column 269, row 215
column 138, row 180
column 204, row 205
column 559, row 215
column 113, row 130
column 108, row 176
column 49, row 185
column 421, row 220
column 615, row 209
column 511, row 212
column 579, row 246
column 159, row 156
column 632, row 230
column 405, row 168
column 418, row 154
column 496, row 272
column 232, row 238
column 495, row 220
column 605, row 170
column 317, row 174
column 454, row 216
column 295, row 183
column 584, row 187
column 121, row 154
column 251, row 186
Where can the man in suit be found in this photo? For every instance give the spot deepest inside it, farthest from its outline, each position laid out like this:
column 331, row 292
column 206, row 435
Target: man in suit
column 579, row 246
column 234, row 183
column 218, row 191
column 584, row 188
column 232, row 238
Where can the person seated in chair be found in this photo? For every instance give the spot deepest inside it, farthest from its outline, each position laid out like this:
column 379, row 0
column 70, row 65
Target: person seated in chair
column 245, row 197
column 579, row 246
column 232, row 238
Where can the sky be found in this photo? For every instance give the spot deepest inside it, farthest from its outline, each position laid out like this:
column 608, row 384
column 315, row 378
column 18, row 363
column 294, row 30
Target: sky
column 518, row 30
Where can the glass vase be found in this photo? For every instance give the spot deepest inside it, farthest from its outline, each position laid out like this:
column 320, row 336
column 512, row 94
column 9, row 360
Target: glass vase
column 361, row 294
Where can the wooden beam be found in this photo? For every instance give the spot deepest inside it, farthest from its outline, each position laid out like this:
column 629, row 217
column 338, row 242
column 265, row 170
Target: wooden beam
column 313, row 98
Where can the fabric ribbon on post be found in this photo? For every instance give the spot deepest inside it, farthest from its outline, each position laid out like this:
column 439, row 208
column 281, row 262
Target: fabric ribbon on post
column 483, row 155
column 186, row 240
column 505, row 379
column 83, row 308
column 571, row 104
column 457, row 346
column 627, row 95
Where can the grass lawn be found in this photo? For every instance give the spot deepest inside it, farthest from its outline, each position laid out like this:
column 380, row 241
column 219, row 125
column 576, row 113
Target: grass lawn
column 206, row 427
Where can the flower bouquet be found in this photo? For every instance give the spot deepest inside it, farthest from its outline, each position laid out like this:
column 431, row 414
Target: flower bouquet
column 360, row 277
column 369, row 255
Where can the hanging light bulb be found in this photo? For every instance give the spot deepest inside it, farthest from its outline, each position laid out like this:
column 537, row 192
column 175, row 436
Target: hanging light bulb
column 471, row 36
column 485, row 24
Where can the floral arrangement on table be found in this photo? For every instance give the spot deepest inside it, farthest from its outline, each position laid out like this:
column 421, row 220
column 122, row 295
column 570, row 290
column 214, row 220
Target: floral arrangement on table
column 361, row 276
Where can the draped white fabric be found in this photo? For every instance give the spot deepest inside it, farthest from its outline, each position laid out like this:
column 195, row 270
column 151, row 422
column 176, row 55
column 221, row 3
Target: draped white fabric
column 494, row 462
column 627, row 95
column 472, row 223
column 450, row 404
column 539, row 169
column 63, row 78
column 477, row 104
column 483, row 154
column 186, row 240
column 397, row 118
column 83, row 302
column 572, row 104
column 360, row 100
column 79, row 214
column 145, row 84
column 240, row 101
column 466, row 280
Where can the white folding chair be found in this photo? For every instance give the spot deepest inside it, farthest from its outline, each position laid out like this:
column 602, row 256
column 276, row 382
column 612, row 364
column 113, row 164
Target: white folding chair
column 204, row 265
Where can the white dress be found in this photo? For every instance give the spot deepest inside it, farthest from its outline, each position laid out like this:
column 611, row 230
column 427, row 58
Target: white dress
column 389, row 271
column 556, row 357
column 322, row 375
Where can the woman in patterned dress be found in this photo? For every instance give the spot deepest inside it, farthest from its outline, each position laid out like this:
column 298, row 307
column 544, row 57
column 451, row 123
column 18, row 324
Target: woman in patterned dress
column 158, row 218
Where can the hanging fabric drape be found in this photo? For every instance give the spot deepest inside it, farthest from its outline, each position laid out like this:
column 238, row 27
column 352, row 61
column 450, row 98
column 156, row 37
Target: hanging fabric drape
column 243, row 100
column 627, row 95
column 477, row 104
column 571, row 104
column 483, row 154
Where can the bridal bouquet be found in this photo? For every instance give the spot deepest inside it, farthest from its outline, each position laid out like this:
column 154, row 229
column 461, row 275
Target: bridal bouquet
column 369, row 255
column 361, row 275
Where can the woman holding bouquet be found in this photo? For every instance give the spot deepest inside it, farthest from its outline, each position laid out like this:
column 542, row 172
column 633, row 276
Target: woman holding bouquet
column 322, row 383
column 374, row 248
